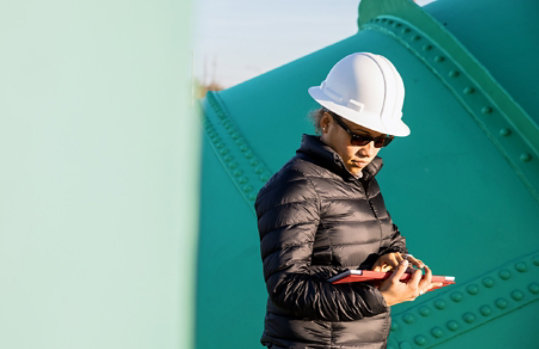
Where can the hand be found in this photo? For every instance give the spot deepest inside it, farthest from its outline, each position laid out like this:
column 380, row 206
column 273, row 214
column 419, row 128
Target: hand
column 394, row 291
column 390, row 261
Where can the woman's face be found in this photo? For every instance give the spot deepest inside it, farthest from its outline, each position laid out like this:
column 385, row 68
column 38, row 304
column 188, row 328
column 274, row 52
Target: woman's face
column 355, row 158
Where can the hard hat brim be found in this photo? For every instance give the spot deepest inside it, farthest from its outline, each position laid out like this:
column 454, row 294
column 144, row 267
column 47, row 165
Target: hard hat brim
column 363, row 118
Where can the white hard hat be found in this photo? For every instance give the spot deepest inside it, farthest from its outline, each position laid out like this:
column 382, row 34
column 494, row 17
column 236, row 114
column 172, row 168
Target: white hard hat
column 367, row 90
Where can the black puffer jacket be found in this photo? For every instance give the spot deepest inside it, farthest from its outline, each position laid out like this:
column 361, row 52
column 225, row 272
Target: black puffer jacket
column 316, row 220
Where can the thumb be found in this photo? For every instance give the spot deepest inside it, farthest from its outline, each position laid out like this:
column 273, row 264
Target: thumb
column 400, row 270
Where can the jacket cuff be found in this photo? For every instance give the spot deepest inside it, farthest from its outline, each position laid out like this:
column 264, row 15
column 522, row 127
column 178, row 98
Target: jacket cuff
column 393, row 249
column 375, row 301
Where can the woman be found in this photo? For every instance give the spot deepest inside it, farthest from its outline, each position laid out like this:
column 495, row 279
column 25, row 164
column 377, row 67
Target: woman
column 323, row 213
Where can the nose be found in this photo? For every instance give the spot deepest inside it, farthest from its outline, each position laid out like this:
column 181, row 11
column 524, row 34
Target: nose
column 367, row 149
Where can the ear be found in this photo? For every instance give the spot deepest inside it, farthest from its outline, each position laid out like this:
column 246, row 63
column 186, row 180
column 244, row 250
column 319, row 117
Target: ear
column 324, row 122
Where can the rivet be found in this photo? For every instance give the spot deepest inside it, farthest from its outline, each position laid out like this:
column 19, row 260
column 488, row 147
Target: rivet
column 416, row 38
column 398, row 25
column 264, row 178
column 505, row 132
column 259, row 170
column 454, row 73
column 228, row 126
column 504, row 274
column 252, row 197
column 485, row 310
column 456, row 297
column 405, row 345
column 420, row 340
column 437, row 332
column 238, row 173
column 468, row 90
column 406, row 30
column 408, row 318
column 525, row 157
column 242, row 180
column 427, row 47
column 384, row 20
column 517, row 295
column 248, row 154
column 488, row 282
column 534, row 288
column 219, row 145
column 501, row 303
column 469, row 317
column 472, row 289
column 254, row 162
column 452, row 325
column 521, row 267
column 424, row 311
column 535, row 260
column 394, row 326
column 248, row 189
column 234, row 135
column 233, row 165
column 223, row 151
column 440, row 304
column 439, row 58
column 243, row 148
column 486, row 110
column 227, row 158
column 390, row 22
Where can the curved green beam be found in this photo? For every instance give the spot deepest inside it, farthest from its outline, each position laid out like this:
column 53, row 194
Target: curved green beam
column 507, row 125
column 247, row 170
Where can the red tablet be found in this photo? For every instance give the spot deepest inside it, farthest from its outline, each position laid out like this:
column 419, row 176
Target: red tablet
column 369, row 275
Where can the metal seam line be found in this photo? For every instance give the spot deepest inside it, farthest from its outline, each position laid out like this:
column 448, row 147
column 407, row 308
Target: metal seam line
column 483, row 109
column 246, row 170
column 502, row 291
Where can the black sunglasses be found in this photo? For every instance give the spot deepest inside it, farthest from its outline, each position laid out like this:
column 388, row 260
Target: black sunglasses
column 359, row 139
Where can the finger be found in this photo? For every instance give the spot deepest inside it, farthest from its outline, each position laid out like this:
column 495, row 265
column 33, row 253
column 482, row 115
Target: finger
column 416, row 277
column 386, row 268
column 426, row 279
column 392, row 260
column 399, row 271
column 435, row 285
column 398, row 258
column 414, row 261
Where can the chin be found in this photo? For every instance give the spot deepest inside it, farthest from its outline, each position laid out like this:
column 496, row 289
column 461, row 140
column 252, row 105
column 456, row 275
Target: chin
column 356, row 171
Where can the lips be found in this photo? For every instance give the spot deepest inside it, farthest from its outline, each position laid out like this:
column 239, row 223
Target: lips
column 362, row 161
column 359, row 163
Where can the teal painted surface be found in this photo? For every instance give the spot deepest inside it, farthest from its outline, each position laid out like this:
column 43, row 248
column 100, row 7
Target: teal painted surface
column 460, row 188
column 99, row 183
column 504, row 41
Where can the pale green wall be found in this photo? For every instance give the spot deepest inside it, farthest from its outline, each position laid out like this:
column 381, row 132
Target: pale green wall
column 99, row 148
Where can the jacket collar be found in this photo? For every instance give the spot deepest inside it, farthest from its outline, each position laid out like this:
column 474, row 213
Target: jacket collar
column 320, row 153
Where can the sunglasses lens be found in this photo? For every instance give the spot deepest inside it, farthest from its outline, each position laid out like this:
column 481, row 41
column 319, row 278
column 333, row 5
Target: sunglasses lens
column 359, row 140
column 382, row 141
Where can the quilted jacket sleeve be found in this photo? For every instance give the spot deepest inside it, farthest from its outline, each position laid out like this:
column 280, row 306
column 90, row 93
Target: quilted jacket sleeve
column 288, row 211
column 397, row 244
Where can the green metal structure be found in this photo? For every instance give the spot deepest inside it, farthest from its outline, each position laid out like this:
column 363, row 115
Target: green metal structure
column 463, row 187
